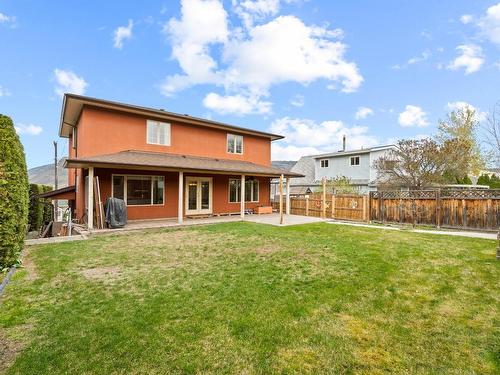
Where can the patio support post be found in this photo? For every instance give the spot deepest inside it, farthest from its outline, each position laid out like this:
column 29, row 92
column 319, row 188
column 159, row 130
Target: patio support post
column 242, row 197
column 90, row 199
column 287, row 203
column 180, row 206
column 281, row 199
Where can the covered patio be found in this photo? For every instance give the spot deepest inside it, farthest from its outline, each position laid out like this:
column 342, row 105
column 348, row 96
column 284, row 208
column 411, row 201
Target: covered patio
column 173, row 188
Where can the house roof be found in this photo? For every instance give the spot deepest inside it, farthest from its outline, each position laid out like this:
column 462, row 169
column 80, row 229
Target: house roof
column 133, row 159
column 73, row 105
column 353, row 152
column 55, row 193
column 304, row 167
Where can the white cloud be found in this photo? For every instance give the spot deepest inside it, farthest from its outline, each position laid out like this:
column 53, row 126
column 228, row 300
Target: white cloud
column 121, row 34
column 470, row 58
column 413, row 116
column 417, row 59
column 4, row 91
column 69, row 82
column 325, row 136
column 7, row 20
column 298, row 100
column 461, row 105
column 28, row 129
column 251, row 60
column 280, row 151
column 363, row 112
column 489, row 24
column 253, row 10
column 466, row 19
column 236, row 104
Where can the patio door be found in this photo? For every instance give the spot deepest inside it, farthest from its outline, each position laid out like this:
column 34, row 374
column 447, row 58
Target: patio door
column 198, row 195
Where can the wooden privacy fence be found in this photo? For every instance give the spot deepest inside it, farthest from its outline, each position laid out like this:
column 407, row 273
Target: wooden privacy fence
column 459, row 209
column 462, row 209
column 331, row 206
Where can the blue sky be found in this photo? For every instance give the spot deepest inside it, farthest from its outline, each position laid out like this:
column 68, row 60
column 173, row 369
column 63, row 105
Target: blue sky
column 311, row 70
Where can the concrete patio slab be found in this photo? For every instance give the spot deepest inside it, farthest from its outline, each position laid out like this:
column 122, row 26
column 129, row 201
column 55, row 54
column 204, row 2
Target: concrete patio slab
column 274, row 219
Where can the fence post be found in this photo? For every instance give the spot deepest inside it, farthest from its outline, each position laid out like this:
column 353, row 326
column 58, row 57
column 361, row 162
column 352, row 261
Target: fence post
column 438, row 208
column 323, row 202
column 464, row 214
column 488, row 214
column 381, row 202
column 370, row 197
column 333, row 205
column 307, row 205
column 414, row 211
column 364, row 208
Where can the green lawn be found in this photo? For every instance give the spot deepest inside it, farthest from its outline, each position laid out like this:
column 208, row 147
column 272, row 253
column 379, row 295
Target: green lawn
column 249, row 298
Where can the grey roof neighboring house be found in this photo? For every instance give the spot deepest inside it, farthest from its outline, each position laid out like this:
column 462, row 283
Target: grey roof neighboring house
column 163, row 161
column 305, row 167
column 353, row 152
column 283, row 164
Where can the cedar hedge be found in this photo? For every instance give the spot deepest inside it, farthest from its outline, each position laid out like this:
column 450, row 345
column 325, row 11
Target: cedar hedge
column 14, row 197
column 40, row 211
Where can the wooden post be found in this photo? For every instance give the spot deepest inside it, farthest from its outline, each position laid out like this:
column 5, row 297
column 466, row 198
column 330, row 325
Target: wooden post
column 489, row 221
column 323, row 202
column 464, row 214
column 281, row 199
column 364, row 208
column 370, row 196
column 307, row 205
column 287, row 202
column 242, row 197
column 381, row 201
column 414, row 212
column 333, row 205
column 180, row 199
column 438, row 208
column 90, row 199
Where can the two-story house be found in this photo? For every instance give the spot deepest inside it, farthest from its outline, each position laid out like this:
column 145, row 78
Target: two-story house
column 162, row 164
column 356, row 165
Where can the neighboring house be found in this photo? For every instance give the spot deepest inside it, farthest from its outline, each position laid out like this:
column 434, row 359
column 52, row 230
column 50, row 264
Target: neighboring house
column 162, row 164
column 356, row 165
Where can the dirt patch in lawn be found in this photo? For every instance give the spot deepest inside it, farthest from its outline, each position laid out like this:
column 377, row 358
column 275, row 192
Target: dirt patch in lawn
column 8, row 352
column 30, row 268
column 102, row 273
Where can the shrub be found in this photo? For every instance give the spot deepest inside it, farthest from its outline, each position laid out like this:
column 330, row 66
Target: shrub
column 13, row 194
column 38, row 208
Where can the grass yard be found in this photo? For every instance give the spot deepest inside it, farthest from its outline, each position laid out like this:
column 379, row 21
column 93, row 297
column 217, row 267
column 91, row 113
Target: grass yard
column 255, row 299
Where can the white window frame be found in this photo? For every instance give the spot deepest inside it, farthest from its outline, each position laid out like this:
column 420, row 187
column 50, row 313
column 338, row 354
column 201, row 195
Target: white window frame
column 353, row 158
column 239, row 190
column 324, row 163
column 125, row 196
column 167, row 132
column 235, row 136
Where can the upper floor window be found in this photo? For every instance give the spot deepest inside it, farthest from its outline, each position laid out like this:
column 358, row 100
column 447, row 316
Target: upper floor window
column 158, row 133
column 354, row 160
column 235, row 144
column 324, row 163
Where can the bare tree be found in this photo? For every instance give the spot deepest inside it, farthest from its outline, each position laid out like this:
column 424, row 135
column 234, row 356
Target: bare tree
column 492, row 133
column 418, row 164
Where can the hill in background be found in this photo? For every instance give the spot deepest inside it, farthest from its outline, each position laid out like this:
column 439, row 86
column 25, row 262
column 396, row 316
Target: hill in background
column 44, row 174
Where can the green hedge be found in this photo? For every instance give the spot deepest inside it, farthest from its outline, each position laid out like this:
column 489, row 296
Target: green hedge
column 39, row 210
column 14, row 198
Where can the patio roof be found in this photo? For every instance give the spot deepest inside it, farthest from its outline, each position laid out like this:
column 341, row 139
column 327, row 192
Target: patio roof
column 133, row 159
column 67, row 192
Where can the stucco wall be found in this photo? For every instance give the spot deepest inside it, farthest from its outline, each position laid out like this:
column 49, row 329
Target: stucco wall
column 105, row 132
column 220, row 199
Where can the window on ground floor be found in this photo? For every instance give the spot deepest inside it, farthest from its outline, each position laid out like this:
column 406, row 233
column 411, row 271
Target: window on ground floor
column 251, row 190
column 139, row 190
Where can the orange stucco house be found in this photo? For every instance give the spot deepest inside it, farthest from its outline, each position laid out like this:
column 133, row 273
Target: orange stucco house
column 162, row 164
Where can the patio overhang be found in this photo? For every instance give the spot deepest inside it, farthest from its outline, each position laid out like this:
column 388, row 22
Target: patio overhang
column 65, row 193
column 155, row 161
